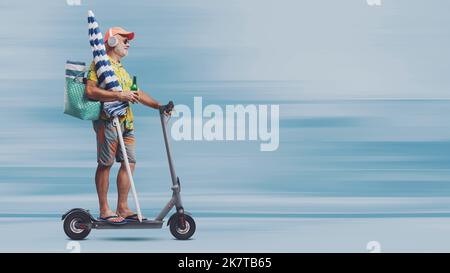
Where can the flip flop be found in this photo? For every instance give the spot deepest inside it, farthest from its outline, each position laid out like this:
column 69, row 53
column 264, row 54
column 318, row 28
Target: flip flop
column 106, row 219
column 134, row 217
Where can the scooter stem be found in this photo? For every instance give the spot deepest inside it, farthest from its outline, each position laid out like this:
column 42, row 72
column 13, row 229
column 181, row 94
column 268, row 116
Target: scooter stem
column 173, row 175
column 127, row 166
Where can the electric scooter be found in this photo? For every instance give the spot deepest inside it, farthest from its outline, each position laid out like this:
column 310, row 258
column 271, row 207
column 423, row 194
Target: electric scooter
column 78, row 222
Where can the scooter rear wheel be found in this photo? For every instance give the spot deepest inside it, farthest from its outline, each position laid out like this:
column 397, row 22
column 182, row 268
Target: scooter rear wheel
column 72, row 224
column 182, row 233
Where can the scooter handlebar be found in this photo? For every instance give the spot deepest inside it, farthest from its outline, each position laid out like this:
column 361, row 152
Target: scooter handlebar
column 166, row 108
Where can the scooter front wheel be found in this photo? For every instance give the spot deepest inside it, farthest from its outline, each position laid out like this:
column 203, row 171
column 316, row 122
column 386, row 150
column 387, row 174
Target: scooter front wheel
column 76, row 225
column 182, row 233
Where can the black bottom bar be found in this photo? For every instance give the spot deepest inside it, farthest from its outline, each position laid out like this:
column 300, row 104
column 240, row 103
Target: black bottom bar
column 237, row 262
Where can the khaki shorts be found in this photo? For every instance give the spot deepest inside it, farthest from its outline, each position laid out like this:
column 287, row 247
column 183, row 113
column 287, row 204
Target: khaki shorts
column 108, row 147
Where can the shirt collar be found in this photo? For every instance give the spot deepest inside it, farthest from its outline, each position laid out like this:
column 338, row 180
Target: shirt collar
column 112, row 61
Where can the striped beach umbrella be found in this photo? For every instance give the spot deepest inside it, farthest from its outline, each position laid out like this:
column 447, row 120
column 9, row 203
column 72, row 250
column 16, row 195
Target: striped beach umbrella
column 105, row 74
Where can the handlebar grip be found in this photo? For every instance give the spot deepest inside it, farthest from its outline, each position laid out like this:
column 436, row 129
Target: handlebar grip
column 166, row 108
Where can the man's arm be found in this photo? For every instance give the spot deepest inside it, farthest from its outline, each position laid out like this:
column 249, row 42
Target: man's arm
column 95, row 93
column 145, row 99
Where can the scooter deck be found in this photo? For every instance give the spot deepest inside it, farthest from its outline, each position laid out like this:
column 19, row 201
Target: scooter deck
column 147, row 224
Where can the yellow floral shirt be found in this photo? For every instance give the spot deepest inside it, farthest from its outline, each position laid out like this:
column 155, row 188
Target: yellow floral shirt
column 125, row 82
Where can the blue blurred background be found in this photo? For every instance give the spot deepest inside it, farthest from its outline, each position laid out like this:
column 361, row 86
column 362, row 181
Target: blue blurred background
column 363, row 95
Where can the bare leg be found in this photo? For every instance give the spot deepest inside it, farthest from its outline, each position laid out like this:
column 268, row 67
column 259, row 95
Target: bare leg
column 102, row 185
column 123, row 188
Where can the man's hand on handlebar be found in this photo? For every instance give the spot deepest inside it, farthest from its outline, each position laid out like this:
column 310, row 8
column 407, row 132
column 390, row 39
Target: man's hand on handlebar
column 166, row 109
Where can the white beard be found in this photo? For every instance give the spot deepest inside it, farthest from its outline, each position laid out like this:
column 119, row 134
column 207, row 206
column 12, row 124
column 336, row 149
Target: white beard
column 120, row 50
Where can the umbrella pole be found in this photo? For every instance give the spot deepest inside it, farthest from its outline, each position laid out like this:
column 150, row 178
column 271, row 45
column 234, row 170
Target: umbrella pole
column 127, row 166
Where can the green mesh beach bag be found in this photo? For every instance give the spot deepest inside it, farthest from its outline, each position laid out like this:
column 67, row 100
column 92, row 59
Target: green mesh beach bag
column 76, row 103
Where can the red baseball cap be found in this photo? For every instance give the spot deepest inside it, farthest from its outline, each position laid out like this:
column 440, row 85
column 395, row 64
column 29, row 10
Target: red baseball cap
column 119, row 30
